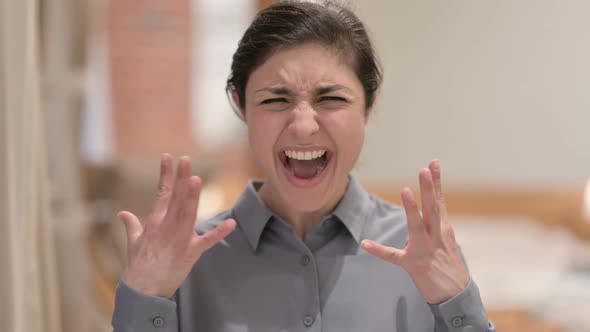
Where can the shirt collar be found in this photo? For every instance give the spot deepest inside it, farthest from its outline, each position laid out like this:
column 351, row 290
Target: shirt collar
column 252, row 215
column 352, row 209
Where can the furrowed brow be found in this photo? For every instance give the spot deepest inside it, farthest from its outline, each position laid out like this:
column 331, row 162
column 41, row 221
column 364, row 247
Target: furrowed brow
column 330, row 88
column 277, row 91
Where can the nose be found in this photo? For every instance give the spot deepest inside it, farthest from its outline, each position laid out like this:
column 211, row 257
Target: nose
column 304, row 122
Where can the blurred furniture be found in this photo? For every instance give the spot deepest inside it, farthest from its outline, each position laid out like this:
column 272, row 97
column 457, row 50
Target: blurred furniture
column 519, row 320
column 553, row 207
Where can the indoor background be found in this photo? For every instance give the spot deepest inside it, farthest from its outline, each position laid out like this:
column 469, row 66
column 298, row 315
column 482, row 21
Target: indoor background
column 93, row 91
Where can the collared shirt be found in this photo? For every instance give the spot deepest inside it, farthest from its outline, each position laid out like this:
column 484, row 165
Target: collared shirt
column 264, row 277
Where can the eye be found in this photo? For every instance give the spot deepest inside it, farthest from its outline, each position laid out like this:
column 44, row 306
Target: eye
column 332, row 98
column 273, row 100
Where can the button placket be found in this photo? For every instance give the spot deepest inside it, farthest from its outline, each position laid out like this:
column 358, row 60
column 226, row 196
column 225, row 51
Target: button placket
column 308, row 320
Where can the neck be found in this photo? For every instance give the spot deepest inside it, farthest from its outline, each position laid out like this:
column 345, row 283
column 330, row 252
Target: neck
column 301, row 221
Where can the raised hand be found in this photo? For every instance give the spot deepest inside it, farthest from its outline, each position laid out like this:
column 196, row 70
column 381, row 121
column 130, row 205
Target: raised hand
column 431, row 257
column 161, row 254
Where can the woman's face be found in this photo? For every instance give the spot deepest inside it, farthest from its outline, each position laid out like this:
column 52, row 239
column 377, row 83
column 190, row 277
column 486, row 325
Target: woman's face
column 305, row 111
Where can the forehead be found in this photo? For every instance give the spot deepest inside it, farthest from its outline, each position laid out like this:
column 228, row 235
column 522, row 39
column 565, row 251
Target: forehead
column 304, row 67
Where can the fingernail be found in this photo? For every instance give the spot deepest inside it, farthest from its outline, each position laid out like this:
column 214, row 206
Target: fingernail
column 230, row 223
column 436, row 164
column 366, row 244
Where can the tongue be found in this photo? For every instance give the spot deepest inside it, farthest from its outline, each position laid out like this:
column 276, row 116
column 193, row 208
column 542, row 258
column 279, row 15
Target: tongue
column 305, row 169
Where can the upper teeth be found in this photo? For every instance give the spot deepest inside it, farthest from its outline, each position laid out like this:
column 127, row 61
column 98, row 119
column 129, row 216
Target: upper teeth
column 308, row 155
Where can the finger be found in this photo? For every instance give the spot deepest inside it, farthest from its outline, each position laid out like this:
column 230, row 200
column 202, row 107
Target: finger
column 182, row 229
column 188, row 217
column 212, row 237
column 177, row 209
column 389, row 254
column 165, row 183
column 430, row 210
column 416, row 227
column 436, row 180
column 132, row 226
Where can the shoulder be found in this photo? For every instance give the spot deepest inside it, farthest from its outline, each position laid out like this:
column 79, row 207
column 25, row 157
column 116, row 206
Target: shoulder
column 386, row 223
column 206, row 225
column 235, row 240
column 386, row 210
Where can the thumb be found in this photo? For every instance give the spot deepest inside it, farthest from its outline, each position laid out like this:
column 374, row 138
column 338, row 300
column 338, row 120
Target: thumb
column 212, row 237
column 132, row 226
column 386, row 253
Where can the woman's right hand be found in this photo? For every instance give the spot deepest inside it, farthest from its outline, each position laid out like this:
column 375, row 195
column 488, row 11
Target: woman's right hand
column 162, row 253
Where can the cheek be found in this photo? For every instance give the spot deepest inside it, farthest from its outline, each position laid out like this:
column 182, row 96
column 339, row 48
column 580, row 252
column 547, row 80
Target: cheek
column 263, row 132
column 356, row 140
column 348, row 130
column 349, row 127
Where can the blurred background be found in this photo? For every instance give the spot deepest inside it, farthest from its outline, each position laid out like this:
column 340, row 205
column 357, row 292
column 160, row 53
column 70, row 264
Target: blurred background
column 93, row 91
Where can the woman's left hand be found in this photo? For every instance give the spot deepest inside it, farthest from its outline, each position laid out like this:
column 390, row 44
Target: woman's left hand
column 431, row 257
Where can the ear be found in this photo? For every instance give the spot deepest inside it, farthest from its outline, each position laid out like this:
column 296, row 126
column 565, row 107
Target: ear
column 238, row 109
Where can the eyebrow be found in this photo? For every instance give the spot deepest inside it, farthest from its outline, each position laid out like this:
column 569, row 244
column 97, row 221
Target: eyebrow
column 318, row 91
column 331, row 88
column 276, row 91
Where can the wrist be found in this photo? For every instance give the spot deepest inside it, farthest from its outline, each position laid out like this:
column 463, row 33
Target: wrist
column 145, row 286
column 451, row 290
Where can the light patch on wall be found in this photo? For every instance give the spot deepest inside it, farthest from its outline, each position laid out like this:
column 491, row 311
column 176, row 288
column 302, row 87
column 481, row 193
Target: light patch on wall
column 97, row 146
column 217, row 27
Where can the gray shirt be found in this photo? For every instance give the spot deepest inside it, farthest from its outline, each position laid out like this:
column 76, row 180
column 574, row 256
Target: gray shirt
column 263, row 277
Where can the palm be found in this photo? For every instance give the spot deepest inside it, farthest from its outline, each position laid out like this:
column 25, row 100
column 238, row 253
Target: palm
column 431, row 256
column 161, row 254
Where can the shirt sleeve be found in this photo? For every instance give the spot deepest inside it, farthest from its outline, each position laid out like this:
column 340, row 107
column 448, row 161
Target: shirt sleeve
column 462, row 313
column 135, row 311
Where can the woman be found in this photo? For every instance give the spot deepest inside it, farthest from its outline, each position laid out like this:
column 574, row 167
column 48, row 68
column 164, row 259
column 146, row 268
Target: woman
column 307, row 248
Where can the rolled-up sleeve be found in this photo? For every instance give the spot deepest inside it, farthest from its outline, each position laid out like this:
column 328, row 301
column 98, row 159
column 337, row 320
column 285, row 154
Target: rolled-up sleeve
column 135, row 311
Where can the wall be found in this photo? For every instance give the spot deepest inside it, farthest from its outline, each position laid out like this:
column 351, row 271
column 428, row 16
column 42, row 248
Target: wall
column 498, row 90
column 149, row 53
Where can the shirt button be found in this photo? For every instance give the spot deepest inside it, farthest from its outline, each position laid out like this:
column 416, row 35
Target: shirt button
column 158, row 321
column 457, row 322
column 305, row 260
column 308, row 320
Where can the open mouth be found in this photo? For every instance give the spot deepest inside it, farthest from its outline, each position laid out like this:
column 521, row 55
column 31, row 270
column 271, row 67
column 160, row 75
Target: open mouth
column 305, row 165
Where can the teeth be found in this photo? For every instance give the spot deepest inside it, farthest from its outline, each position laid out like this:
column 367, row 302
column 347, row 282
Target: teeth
column 309, row 155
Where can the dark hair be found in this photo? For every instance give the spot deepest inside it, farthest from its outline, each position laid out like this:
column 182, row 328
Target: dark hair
column 291, row 23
